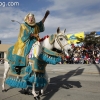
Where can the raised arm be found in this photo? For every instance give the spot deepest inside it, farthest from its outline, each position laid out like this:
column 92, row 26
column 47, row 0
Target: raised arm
column 45, row 16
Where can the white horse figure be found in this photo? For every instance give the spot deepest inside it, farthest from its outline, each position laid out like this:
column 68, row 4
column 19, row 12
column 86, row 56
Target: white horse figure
column 59, row 42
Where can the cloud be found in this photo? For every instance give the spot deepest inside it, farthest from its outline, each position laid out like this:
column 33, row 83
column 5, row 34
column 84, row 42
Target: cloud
column 9, row 29
column 75, row 16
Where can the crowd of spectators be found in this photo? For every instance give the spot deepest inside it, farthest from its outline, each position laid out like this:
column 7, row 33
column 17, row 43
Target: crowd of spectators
column 87, row 54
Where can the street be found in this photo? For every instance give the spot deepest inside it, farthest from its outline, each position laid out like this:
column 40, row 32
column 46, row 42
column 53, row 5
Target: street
column 67, row 82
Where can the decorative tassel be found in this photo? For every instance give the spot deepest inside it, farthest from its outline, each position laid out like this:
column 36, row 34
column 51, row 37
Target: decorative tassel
column 16, row 83
column 50, row 60
column 31, row 79
column 26, row 77
column 29, row 69
column 24, row 84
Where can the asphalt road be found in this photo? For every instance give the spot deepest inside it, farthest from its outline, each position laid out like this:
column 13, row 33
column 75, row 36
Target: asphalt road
column 67, row 82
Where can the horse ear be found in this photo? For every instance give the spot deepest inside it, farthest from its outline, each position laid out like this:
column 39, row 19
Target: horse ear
column 58, row 30
column 64, row 30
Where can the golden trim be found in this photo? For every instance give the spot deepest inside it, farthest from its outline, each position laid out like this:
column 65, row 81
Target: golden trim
column 11, row 74
column 19, row 46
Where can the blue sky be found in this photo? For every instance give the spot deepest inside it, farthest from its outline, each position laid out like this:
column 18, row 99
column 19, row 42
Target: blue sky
column 74, row 15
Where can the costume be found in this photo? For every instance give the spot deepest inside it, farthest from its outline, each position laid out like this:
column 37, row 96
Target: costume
column 35, row 71
column 17, row 54
column 21, row 73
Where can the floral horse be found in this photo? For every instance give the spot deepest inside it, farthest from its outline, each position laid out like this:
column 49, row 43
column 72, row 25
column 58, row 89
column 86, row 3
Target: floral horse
column 34, row 74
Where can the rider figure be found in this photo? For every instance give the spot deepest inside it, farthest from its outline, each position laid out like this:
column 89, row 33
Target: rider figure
column 28, row 35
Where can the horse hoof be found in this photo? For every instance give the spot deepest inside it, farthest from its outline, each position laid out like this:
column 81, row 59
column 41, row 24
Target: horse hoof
column 4, row 90
column 40, row 93
column 37, row 98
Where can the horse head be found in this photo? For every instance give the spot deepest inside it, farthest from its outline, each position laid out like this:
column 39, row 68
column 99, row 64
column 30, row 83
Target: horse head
column 61, row 42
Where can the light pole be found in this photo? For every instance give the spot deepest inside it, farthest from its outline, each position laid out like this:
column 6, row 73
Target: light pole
column 15, row 21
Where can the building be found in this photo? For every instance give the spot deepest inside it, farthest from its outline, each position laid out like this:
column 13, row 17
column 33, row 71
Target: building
column 3, row 50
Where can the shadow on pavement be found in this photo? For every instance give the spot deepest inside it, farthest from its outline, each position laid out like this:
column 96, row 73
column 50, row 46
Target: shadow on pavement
column 61, row 82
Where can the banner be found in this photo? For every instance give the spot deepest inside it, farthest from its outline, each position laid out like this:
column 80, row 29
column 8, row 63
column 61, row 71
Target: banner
column 75, row 38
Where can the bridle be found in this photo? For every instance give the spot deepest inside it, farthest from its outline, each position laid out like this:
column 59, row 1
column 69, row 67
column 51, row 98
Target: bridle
column 58, row 41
